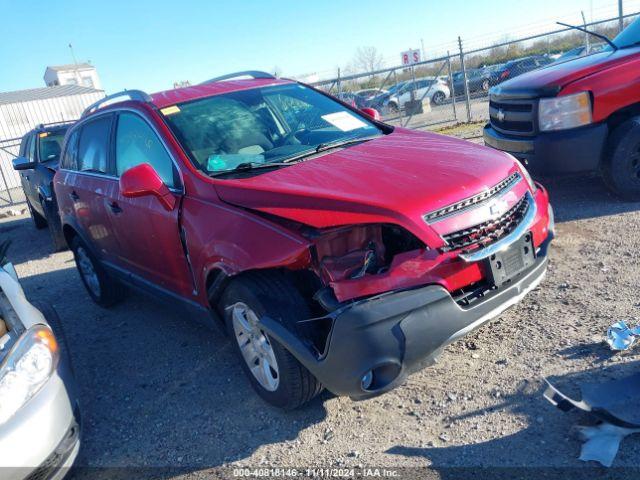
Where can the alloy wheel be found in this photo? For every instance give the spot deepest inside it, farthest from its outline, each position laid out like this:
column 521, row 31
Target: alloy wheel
column 255, row 346
column 88, row 272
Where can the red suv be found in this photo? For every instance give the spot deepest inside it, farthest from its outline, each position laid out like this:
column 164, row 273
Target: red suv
column 338, row 251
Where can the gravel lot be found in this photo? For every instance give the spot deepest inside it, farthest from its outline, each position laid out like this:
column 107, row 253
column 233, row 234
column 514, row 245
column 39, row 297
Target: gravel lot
column 160, row 390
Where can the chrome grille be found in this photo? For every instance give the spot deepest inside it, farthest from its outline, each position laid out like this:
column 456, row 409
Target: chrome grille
column 457, row 207
column 488, row 232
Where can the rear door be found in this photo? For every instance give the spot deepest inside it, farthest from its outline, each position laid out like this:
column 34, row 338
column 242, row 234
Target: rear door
column 150, row 244
column 91, row 183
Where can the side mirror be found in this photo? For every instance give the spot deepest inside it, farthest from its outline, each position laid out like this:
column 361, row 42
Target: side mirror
column 141, row 181
column 371, row 112
column 23, row 163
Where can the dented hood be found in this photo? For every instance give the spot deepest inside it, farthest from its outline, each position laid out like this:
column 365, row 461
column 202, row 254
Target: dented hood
column 549, row 80
column 395, row 178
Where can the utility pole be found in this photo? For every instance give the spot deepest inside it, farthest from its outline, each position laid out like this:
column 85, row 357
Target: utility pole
column 620, row 15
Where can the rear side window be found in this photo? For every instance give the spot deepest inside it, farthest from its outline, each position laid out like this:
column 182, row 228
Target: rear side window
column 94, row 144
column 137, row 143
column 70, row 154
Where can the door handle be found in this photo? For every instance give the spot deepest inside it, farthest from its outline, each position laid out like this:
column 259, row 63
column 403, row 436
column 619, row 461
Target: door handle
column 74, row 196
column 115, row 208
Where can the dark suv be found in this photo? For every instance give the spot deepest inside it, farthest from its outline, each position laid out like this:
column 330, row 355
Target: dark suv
column 37, row 163
column 339, row 251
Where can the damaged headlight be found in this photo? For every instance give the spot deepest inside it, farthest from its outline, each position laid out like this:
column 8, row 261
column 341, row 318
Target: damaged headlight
column 355, row 251
column 525, row 173
column 30, row 363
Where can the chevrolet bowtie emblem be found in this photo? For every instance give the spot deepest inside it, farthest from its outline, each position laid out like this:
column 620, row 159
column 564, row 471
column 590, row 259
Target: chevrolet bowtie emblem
column 500, row 115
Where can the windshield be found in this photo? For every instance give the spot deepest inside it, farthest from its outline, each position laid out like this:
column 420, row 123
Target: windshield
column 49, row 146
column 262, row 125
column 630, row 36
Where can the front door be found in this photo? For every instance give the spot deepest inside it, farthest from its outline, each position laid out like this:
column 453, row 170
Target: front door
column 148, row 235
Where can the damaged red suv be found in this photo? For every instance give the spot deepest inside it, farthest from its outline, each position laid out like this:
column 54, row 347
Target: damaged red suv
column 338, row 251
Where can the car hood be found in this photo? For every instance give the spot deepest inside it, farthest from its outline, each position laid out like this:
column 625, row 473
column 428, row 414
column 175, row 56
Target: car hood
column 396, row 178
column 549, row 80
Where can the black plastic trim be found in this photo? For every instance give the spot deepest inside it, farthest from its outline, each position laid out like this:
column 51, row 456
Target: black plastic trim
column 408, row 328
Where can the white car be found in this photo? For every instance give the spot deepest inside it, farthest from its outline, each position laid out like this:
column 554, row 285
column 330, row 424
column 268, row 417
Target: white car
column 39, row 415
column 429, row 88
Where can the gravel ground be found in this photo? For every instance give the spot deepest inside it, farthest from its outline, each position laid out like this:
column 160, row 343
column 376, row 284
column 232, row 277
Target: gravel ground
column 158, row 389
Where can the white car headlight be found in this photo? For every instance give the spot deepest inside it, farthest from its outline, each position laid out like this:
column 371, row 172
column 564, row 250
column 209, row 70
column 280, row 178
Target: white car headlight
column 569, row 111
column 29, row 364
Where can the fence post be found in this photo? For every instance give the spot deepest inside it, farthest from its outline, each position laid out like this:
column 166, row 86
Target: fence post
column 339, row 85
column 464, row 78
column 620, row 16
column 453, row 91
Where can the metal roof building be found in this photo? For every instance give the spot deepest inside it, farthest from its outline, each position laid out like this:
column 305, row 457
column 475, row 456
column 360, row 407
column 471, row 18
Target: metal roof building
column 22, row 110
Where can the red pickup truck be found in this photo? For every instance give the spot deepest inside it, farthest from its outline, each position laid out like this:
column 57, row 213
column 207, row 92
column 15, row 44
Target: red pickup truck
column 581, row 115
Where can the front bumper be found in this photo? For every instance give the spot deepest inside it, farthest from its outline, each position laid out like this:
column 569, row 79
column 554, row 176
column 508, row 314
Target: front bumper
column 42, row 439
column 397, row 333
column 567, row 151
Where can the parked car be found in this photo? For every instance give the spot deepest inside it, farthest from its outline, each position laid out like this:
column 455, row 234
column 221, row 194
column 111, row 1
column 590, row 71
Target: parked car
column 370, row 93
column 39, row 413
column 433, row 89
column 352, row 99
column 380, row 101
column 37, row 163
column 517, row 67
column 478, row 80
column 576, row 116
column 581, row 51
column 310, row 228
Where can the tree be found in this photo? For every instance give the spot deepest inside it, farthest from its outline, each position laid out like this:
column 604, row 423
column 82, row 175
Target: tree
column 367, row 59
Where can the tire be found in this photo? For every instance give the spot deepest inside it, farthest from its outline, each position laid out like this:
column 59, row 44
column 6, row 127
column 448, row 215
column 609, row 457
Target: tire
column 621, row 167
column 287, row 383
column 52, row 318
column 438, row 98
column 38, row 220
column 102, row 289
column 486, row 85
column 58, row 241
column 392, row 108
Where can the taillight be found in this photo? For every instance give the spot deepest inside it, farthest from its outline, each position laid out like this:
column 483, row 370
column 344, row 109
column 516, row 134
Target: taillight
column 504, row 74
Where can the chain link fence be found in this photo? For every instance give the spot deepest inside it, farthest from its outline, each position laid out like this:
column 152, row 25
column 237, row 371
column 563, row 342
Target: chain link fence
column 455, row 87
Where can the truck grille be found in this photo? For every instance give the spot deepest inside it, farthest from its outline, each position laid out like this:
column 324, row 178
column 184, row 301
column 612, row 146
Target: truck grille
column 513, row 116
column 457, row 207
column 487, row 232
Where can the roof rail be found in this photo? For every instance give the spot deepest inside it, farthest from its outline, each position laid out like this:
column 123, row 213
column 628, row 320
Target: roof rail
column 137, row 95
column 248, row 73
column 51, row 124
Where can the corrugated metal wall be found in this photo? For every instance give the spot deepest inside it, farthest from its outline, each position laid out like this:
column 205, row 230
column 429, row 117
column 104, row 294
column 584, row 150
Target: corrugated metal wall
column 16, row 119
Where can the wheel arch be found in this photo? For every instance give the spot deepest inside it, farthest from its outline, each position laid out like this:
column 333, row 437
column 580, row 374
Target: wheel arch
column 622, row 115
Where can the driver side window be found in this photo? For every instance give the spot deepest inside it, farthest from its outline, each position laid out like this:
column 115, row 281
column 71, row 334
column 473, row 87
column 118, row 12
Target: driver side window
column 137, row 143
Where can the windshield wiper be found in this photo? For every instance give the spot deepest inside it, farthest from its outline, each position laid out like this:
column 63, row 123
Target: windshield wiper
column 323, row 147
column 582, row 29
column 246, row 166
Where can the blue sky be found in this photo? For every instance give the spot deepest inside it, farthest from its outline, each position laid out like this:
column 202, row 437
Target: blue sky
column 149, row 44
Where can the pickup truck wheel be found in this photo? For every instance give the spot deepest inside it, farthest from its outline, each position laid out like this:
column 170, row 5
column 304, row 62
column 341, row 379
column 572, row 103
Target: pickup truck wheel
column 102, row 289
column 621, row 169
column 38, row 220
column 276, row 375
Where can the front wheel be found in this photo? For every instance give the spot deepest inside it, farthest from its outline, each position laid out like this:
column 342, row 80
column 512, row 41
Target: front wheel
column 55, row 226
column 485, row 85
column 621, row 169
column 276, row 375
column 38, row 220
